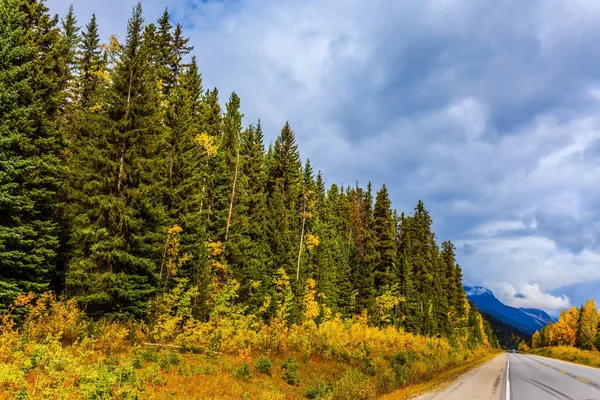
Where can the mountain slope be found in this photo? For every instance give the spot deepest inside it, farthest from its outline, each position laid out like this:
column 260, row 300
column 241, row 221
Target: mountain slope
column 508, row 336
column 527, row 320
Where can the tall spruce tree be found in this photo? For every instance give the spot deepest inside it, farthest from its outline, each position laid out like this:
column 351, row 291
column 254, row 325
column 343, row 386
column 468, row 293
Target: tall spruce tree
column 284, row 185
column 114, row 271
column 385, row 240
column 32, row 79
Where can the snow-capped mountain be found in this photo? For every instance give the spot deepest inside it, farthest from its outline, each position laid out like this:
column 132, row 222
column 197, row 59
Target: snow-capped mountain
column 527, row 320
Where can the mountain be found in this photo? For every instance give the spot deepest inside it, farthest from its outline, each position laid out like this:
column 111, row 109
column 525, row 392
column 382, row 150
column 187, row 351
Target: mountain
column 527, row 320
column 508, row 336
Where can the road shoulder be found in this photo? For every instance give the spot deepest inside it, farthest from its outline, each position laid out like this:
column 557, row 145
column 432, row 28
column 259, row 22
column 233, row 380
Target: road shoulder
column 430, row 389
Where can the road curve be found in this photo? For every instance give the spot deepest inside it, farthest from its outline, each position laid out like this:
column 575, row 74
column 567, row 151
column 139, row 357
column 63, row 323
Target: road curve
column 487, row 381
column 533, row 378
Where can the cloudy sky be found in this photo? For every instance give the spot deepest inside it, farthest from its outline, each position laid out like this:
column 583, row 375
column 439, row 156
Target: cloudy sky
column 487, row 110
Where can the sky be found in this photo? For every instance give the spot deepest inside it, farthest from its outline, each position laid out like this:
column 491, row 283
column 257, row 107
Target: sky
column 488, row 111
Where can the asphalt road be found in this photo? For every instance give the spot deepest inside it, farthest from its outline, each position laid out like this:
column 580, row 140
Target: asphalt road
column 484, row 382
column 529, row 378
column 532, row 378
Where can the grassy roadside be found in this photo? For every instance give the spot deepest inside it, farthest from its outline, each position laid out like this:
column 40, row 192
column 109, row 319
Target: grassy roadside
column 440, row 381
column 572, row 354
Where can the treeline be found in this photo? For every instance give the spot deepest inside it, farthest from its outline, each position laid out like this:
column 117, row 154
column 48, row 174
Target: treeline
column 575, row 327
column 121, row 177
column 508, row 336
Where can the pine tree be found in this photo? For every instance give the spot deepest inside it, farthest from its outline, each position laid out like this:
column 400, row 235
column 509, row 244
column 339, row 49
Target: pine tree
column 385, row 241
column 114, row 270
column 247, row 245
column 32, row 79
column 89, row 62
column 187, row 166
column 365, row 254
column 284, row 184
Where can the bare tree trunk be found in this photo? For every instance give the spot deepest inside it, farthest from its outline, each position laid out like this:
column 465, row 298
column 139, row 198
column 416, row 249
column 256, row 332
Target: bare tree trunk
column 237, row 166
column 301, row 240
column 123, row 143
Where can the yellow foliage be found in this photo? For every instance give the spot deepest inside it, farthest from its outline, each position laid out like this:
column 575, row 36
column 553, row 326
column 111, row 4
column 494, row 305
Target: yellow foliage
column 385, row 304
column 48, row 317
column 215, row 248
column 103, row 75
column 96, row 107
column 536, row 340
column 311, row 241
column 206, row 144
column 113, row 44
column 172, row 261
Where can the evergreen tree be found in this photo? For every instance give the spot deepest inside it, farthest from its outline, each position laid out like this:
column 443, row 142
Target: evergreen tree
column 90, row 63
column 187, row 167
column 114, row 270
column 247, row 245
column 364, row 254
column 284, row 184
column 385, row 241
column 32, row 79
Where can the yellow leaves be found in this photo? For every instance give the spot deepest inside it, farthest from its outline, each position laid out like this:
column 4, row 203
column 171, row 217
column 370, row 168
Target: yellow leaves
column 255, row 284
column 172, row 261
column 536, row 340
column 245, row 355
column 102, row 75
column 265, row 305
column 215, row 249
column 113, row 44
column 96, row 107
column 206, row 144
column 311, row 241
column 311, row 306
column 385, row 304
column 24, row 300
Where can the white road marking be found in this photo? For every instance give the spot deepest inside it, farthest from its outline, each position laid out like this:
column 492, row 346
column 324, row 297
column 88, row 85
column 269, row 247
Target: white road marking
column 507, row 380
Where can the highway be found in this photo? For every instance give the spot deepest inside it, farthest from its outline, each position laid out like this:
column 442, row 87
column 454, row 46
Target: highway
column 531, row 378
column 517, row 376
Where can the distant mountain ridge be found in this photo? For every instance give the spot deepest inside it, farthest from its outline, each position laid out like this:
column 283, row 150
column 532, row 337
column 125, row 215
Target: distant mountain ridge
column 527, row 320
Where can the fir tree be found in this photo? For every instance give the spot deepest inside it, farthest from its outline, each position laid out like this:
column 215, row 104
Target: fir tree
column 284, row 185
column 385, row 240
column 89, row 62
column 32, row 79
column 115, row 270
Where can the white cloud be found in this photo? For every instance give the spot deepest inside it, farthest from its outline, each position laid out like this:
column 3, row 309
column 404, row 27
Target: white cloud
column 529, row 296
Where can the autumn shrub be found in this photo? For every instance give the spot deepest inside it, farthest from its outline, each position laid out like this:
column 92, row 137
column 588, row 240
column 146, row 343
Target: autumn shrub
column 290, row 371
column 110, row 337
column 108, row 381
column 12, row 380
column 399, row 366
column 318, row 391
column 354, row 385
column 385, row 379
column 570, row 353
column 243, row 372
column 150, row 354
column 46, row 316
column 168, row 360
column 263, row 365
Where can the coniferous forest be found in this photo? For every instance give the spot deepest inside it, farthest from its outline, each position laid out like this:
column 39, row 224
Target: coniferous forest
column 132, row 201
